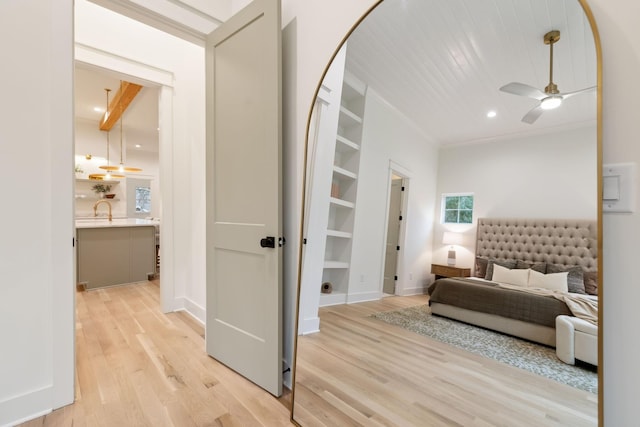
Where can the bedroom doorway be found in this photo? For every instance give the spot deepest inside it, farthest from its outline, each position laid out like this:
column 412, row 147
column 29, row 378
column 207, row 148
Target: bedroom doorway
column 395, row 217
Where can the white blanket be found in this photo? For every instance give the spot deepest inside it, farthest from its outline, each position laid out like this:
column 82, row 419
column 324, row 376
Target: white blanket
column 581, row 306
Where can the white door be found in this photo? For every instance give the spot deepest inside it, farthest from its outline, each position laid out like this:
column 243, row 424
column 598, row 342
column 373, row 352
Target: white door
column 244, row 217
column 393, row 237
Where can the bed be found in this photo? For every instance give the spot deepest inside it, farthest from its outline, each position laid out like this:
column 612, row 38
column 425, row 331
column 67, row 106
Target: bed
column 510, row 244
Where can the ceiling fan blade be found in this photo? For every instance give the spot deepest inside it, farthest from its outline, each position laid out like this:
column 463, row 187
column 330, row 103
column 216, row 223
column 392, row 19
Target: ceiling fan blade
column 577, row 92
column 522, row 89
column 533, row 115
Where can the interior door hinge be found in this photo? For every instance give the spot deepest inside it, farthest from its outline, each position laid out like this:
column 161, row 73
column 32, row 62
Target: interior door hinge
column 281, row 241
column 400, row 217
column 397, row 248
column 395, row 277
column 402, row 188
column 73, row 242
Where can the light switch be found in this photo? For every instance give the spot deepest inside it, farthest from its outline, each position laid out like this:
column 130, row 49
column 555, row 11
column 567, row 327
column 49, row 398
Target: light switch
column 611, row 188
column 619, row 187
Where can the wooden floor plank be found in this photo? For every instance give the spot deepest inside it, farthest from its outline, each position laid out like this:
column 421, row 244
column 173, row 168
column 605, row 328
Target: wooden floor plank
column 136, row 366
column 374, row 373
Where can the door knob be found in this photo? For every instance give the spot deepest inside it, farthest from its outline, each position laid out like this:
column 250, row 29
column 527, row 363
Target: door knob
column 268, row 242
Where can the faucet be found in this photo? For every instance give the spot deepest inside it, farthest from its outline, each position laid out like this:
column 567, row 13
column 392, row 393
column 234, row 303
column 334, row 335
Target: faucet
column 95, row 208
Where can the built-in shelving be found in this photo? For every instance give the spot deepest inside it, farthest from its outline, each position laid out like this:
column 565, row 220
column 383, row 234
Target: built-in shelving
column 343, row 200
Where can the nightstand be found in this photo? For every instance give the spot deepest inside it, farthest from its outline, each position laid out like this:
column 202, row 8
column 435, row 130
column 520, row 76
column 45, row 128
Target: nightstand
column 449, row 271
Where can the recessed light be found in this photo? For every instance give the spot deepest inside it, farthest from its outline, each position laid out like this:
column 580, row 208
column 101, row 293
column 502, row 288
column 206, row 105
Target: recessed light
column 98, row 109
column 138, row 145
column 491, row 114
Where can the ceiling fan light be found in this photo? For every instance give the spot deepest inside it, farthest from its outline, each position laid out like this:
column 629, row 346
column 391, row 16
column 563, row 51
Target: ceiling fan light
column 550, row 102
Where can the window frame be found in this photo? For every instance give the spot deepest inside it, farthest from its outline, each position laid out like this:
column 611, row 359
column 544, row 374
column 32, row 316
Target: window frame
column 443, row 207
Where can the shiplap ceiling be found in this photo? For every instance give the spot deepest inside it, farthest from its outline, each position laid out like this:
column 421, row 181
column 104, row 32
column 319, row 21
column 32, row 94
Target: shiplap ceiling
column 440, row 62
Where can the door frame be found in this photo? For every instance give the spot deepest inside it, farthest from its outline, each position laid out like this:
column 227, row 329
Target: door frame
column 405, row 174
column 163, row 79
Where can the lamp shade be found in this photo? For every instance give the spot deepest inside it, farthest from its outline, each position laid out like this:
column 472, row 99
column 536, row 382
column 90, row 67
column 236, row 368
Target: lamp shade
column 451, row 238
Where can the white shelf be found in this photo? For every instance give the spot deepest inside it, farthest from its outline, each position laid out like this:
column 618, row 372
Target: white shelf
column 333, row 298
column 95, row 199
column 336, row 264
column 344, row 172
column 351, row 118
column 346, row 143
column 353, row 87
column 342, row 203
column 341, row 234
column 97, row 181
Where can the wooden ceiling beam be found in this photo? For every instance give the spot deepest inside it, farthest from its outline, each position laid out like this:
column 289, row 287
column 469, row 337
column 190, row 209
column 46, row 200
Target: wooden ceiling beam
column 119, row 104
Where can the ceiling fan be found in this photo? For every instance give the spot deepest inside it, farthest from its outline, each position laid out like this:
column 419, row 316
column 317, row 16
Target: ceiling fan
column 549, row 99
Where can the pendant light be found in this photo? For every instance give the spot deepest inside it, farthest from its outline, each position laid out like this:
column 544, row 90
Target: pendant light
column 122, row 168
column 108, row 167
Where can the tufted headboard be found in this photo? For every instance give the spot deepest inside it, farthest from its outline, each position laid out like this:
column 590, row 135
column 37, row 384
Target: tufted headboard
column 566, row 242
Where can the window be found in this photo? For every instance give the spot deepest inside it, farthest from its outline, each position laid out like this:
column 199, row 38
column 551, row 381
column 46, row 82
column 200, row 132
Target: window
column 143, row 199
column 457, row 208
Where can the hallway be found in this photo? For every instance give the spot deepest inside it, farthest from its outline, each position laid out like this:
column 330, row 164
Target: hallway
column 138, row 367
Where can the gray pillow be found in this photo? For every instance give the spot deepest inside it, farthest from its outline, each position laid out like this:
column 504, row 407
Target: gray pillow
column 591, row 282
column 508, row 263
column 575, row 278
column 540, row 267
column 481, row 267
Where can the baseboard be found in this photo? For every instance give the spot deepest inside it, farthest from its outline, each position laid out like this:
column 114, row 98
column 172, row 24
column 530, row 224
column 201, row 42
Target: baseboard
column 30, row 405
column 420, row 290
column 363, row 296
column 309, row 326
column 195, row 310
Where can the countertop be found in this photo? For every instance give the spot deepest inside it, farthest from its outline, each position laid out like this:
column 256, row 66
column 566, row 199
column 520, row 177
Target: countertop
column 102, row 222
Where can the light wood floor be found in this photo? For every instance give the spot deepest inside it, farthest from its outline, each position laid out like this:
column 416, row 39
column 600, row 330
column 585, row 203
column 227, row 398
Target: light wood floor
column 138, row 367
column 361, row 371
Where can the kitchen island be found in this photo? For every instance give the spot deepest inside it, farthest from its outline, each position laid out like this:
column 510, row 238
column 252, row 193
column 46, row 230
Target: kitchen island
column 114, row 252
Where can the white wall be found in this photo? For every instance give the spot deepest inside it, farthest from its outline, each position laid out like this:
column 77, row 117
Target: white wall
column 183, row 186
column 389, row 137
column 543, row 176
column 313, row 30
column 36, row 220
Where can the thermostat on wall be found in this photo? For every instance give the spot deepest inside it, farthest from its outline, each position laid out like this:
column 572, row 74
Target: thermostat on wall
column 618, row 187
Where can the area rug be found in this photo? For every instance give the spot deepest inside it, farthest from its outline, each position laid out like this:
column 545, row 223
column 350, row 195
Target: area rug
column 520, row 353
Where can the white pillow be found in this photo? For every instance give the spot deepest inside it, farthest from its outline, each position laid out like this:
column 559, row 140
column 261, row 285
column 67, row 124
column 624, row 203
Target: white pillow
column 516, row 277
column 553, row 281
